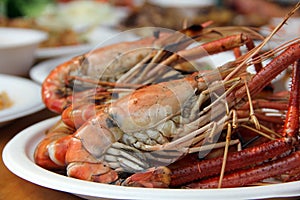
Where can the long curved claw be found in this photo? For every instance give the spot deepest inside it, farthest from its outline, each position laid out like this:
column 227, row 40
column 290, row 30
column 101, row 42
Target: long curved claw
column 268, row 73
column 278, row 166
column 252, row 175
column 291, row 126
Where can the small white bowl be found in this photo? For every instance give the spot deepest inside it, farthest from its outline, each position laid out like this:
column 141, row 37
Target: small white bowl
column 17, row 49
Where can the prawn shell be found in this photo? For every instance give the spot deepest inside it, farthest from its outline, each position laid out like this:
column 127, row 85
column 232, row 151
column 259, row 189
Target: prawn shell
column 149, row 106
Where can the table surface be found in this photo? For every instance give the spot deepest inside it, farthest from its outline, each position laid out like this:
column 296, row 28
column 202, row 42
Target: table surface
column 15, row 188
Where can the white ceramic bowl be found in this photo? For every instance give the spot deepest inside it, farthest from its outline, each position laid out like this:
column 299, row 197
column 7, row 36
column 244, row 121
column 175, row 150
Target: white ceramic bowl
column 17, row 49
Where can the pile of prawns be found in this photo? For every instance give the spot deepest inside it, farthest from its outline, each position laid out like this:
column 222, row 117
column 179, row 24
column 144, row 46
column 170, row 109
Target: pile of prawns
column 144, row 114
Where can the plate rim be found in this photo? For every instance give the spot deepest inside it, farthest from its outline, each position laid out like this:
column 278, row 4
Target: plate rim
column 92, row 189
column 52, row 52
column 34, row 107
column 36, row 69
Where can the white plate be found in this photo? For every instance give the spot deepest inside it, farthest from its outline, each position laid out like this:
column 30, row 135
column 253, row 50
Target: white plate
column 49, row 52
column 39, row 72
column 20, row 162
column 25, row 94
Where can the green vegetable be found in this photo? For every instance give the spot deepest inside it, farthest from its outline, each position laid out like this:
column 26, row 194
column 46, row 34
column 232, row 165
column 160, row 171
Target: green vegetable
column 27, row 8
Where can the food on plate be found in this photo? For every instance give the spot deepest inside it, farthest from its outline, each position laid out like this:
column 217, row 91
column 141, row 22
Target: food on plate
column 149, row 14
column 56, row 37
column 5, row 101
column 66, row 23
column 276, row 8
column 150, row 124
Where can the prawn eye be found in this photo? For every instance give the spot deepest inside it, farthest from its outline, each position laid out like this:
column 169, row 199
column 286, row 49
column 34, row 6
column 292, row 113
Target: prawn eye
column 110, row 122
column 156, row 34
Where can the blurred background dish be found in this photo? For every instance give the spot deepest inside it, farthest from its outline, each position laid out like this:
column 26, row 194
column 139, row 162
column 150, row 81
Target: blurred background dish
column 94, row 38
column 175, row 14
column 24, row 95
column 17, row 49
column 69, row 24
